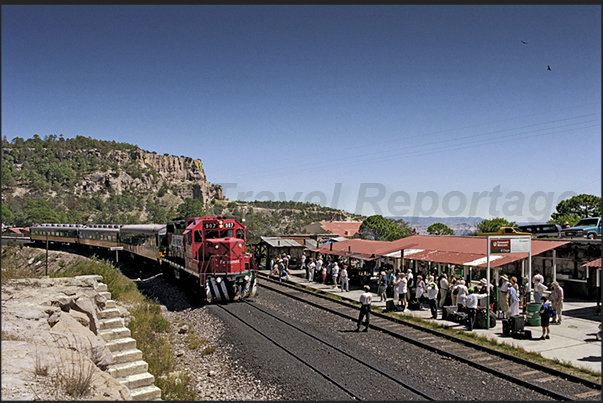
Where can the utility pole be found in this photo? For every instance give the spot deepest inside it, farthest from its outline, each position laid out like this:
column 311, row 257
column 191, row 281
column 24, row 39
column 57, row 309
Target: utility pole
column 46, row 253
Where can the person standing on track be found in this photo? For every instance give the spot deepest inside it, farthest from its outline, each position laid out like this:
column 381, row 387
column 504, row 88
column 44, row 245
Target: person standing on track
column 366, row 299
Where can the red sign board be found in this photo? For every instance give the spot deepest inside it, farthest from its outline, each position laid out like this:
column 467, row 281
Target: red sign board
column 500, row 245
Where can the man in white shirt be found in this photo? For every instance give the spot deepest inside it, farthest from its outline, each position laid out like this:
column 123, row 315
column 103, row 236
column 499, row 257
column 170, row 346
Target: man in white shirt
column 366, row 299
column 471, row 301
column 319, row 267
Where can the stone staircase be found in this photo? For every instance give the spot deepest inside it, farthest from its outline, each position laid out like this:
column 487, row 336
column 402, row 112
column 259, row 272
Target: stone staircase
column 127, row 366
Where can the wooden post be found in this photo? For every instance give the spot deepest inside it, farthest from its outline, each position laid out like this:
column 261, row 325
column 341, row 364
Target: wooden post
column 47, row 253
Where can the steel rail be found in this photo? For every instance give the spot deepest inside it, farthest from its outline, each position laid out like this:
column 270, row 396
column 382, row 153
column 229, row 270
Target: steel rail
column 393, row 378
column 324, row 375
column 483, row 367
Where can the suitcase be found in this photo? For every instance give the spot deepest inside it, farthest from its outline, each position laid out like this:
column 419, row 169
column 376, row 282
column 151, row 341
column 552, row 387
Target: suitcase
column 480, row 319
column 522, row 335
column 389, row 305
column 517, row 323
column 460, row 317
column 413, row 305
column 506, row 327
column 500, row 315
column 448, row 312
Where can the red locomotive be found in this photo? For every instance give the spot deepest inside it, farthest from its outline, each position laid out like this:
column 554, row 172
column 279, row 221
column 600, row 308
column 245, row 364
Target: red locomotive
column 211, row 252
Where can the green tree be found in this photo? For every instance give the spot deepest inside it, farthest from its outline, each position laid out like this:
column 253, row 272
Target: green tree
column 157, row 214
column 575, row 208
column 7, row 216
column 191, row 208
column 378, row 228
column 494, row 224
column 39, row 211
column 439, row 229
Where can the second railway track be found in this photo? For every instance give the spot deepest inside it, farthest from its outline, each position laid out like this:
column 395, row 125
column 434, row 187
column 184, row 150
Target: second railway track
column 540, row 379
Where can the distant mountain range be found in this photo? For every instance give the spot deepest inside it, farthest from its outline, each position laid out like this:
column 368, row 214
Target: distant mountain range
column 460, row 225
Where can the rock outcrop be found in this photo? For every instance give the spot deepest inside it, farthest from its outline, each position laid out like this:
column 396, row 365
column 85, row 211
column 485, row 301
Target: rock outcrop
column 57, row 333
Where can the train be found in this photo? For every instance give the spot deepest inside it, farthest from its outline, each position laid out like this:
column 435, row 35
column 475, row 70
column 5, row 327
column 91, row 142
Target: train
column 208, row 253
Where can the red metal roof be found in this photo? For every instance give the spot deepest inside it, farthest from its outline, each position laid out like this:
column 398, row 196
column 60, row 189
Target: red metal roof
column 442, row 249
column 593, row 263
column 342, row 228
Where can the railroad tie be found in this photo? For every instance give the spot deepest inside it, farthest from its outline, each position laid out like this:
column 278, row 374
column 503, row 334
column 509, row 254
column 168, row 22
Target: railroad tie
column 530, row 373
column 546, row 379
column 479, row 359
column 588, row 394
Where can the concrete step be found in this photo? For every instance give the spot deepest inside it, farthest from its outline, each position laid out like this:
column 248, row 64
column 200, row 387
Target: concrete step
column 96, row 277
column 105, row 294
column 110, row 304
column 146, row 393
column 100, row 287
column 126, row 356
column 113, row 323
column 128, row 368
column 109, row 313
column 127, row 343
column 137, row 381
column 113, row 334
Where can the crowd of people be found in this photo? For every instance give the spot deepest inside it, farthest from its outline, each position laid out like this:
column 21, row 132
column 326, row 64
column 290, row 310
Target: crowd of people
column 437, row 292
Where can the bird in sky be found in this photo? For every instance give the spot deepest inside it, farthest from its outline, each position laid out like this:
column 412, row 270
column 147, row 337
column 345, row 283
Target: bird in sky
column 548, row 68
column 524, row 42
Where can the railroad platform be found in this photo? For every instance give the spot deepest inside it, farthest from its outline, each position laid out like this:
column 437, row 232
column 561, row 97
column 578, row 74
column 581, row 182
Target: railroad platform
column 573, row 341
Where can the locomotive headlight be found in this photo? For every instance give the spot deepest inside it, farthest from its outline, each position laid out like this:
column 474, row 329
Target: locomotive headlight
column 219, row 280
column 246, row 278
column 217, row 246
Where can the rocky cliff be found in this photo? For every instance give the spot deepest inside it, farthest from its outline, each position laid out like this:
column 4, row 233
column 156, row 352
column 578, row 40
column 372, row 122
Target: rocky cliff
column 51, row 344
column 150, row 172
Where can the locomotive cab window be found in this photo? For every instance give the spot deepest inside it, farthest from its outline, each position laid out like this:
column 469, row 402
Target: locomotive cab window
column 198, row 237
column 240, row 233
column 212, row 234
column 227, row 233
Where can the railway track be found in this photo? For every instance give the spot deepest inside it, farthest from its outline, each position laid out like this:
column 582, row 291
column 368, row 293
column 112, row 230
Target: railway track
column 325, row 367
column 547, row 381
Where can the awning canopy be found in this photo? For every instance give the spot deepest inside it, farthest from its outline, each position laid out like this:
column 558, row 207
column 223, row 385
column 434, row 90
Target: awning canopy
column 593, row 263
column 467, row 251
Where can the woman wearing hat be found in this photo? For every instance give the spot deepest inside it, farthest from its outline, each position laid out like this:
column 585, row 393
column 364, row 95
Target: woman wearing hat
column 503, row 295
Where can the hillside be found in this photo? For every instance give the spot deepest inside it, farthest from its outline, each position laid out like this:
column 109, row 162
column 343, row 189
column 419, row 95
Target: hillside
column 83, row 180
column 460, row 225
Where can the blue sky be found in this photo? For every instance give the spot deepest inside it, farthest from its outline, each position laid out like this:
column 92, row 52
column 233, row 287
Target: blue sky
column 395, row 110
